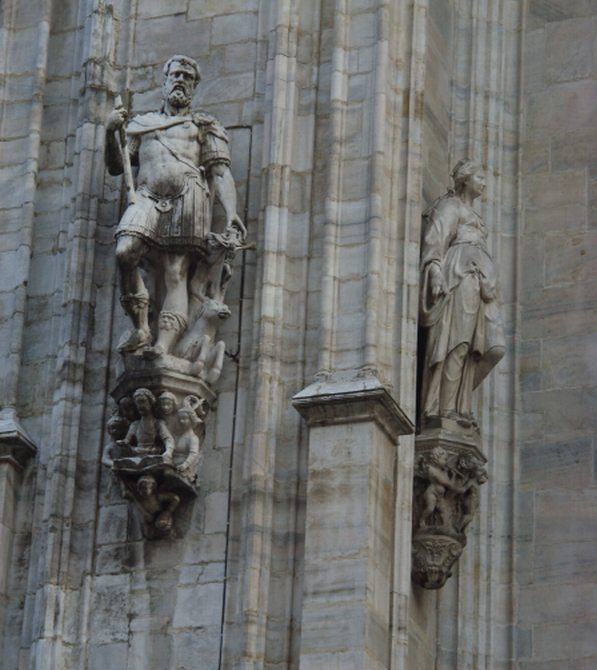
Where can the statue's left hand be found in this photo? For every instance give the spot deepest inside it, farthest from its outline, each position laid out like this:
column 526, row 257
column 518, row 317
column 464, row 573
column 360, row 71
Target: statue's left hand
column 235, row 222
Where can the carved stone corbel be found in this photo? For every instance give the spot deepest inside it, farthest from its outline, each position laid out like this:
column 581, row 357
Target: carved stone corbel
column 449, row 470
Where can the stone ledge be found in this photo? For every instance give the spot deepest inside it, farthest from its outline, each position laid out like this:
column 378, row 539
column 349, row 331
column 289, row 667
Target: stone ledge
column 349, row 398
column 16, row 447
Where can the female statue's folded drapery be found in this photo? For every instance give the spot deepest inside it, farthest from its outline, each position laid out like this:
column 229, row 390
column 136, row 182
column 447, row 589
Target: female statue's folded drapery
column 459, row 310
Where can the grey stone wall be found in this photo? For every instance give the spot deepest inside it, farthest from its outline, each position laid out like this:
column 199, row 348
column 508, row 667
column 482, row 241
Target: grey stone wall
column 556, row 535
column 345, row 118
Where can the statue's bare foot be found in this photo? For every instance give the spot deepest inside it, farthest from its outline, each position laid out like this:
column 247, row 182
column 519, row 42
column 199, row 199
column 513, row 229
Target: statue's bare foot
column 133, row 340
column 151, row 353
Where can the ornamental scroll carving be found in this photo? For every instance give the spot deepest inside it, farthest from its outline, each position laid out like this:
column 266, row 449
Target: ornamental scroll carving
column 174, row 269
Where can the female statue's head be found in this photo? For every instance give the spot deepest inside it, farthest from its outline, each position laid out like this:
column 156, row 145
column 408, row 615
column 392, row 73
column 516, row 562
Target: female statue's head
column 468, row 175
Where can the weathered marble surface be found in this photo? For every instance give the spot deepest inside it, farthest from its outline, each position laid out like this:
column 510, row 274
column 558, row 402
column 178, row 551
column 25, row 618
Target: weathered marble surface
column 345, row 118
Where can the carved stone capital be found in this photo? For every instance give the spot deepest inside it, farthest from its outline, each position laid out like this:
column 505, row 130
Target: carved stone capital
column 449, row 470
column 16, row 447
column 349, row 398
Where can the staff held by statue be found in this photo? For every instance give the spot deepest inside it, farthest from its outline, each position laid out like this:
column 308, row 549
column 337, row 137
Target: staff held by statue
column 126, row 158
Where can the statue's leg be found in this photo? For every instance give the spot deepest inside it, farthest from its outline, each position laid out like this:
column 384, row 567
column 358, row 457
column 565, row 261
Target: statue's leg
column 452, row 379
column 464, row 401
column 134, row 296
column 216, row 363
column 172, row 321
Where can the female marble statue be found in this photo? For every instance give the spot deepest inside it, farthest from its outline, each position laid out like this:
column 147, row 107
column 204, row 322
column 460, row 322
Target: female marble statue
column 459, row 310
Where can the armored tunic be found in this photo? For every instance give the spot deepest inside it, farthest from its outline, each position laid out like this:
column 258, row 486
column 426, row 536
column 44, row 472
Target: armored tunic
column 175, row 222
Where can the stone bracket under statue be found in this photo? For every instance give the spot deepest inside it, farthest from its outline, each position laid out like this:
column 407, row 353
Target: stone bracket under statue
column 449, row 469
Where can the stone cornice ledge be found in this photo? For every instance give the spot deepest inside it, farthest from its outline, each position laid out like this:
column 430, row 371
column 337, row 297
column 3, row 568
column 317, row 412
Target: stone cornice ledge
column 16, row 447
column 352, row 397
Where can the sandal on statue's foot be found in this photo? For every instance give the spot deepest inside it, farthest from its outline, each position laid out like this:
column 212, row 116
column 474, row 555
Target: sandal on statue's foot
column 133, row 340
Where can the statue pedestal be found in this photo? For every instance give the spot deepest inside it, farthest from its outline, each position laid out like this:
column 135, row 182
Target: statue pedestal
column 150, row 439
column 449, row 469
column 166, row 373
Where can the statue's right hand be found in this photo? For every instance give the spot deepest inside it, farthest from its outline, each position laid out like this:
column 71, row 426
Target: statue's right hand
column 117, row 118
column 437, row 284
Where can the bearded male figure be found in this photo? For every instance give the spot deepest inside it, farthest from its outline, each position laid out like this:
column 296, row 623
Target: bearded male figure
column 183, row 161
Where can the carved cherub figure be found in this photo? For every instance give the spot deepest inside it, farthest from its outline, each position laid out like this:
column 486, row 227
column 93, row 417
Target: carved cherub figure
column 117, row 429
column 470, row 504
column 167, row 411
column 156, row 507
column 441, row 480
column 187, row 453
column 148, row 435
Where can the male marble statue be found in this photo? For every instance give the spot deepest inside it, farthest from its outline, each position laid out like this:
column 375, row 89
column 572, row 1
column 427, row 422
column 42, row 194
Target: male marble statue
column 459, row 308
column 183, row 161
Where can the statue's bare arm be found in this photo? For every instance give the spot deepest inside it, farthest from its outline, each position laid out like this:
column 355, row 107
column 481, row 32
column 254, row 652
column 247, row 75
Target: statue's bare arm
column 226, row 194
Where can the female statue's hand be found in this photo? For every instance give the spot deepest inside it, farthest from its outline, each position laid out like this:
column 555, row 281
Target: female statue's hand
column 437, row 283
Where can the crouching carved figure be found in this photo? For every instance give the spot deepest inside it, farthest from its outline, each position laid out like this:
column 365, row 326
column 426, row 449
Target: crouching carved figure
column 446, row 498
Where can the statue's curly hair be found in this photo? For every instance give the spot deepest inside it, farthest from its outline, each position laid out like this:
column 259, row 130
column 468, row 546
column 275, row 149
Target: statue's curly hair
column 184, row 60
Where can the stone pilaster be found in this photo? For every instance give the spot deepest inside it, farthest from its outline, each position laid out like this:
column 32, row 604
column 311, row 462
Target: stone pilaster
column 354, row 424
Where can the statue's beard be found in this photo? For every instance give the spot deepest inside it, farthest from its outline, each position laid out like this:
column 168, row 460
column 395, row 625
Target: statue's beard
column 178, row 98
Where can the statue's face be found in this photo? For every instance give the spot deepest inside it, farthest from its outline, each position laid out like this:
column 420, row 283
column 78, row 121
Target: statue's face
column 179, row 85
column 476, row 183
column 184, row 419
column 166, row 406
column 146, row 488
column 143, row 405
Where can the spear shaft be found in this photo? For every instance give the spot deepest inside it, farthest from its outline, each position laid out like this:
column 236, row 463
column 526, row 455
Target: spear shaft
column 126, row 159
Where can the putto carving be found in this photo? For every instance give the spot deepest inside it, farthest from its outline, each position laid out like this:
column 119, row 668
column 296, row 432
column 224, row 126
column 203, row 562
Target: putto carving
column 174, row 267
column 157, row 472
column 446, row 498
column 459, row 308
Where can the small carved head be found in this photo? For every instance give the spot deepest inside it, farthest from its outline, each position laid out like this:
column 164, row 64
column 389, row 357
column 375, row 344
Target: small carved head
column 439, row 456
column 117, row 427
column 147, row 486
column 167, row 403
column 144, row 400
column 188, row 414
column 127, row 408
column 215, row 309
column 187, row 417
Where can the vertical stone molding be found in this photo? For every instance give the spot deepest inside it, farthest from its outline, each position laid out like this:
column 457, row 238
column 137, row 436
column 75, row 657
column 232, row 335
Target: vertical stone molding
column 354, row 425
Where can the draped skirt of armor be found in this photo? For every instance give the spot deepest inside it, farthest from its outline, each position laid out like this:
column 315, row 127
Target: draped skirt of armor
column 170, row 224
